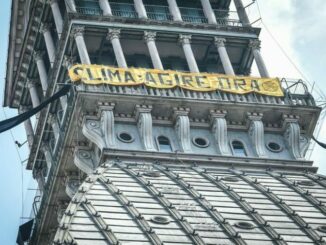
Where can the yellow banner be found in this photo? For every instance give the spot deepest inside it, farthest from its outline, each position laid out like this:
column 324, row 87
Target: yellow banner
column 203, row 82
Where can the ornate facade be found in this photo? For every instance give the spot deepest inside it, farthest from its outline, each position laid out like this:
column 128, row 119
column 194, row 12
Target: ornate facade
column 141, row 165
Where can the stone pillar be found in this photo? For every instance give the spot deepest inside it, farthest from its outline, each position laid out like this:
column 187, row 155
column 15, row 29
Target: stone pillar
column 113, row 36
column 48, row 156
column 174, row 10
column 55, row 125
column 242, row 12
column 256, row 133
column 182, row 128
column 78, row 34
column 38, row 174
column 145, row 126
column 185, row 41
column 71, row 6
column 219, row 129
column 208, row 11
column 45, row 30
column 38, row 57
column 28, row 128
column 255, row 46
column 140, row 8
column 227, row 66
column 57, row 16
column 153, row 52
column 106, row 8
column 31, row 84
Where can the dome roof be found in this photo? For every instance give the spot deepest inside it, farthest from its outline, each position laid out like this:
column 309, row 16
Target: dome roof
column 135, row 203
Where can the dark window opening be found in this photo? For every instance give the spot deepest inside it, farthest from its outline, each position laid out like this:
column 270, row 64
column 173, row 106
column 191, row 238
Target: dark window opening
column 164, row 144
column 238, row 148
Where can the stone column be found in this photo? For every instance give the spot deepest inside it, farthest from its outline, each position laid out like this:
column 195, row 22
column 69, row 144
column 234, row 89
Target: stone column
column 45, row 30
column 48, row 156
column 78, row 34
column 140, row 8
column 255, row 46
column 242, row 12
column 38, row 57
column 153, row 52
column 256, row 133
column 28, row 128
column 71, row 6
column 185, row 41
column 106, row 8
column 57, row 16
column 208, row 11
column 174, row 10
column 113, row 36
column 55, row 125
column 31, row 84
column 38, row 175
column 227, row 66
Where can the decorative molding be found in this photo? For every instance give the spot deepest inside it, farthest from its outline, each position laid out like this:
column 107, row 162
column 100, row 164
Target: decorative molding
column 254, row 44
column 113, row 33
column 85, row 160
column 256, row 133
column 72, row 185
column 38, row 55
column 145, row 126
column 219, row 42
column 45, row 27
column 219, row 129
column 184, row 39
column 292, row 136
column 77, row 31
column 101, row 132
column 149, row 36
column 182, row 127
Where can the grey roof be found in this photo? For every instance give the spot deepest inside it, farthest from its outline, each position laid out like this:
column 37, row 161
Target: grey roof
column 136, row 203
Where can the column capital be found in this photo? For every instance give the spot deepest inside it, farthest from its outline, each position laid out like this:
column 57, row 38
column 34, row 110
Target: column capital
column 149, row 36
column 77, row 31
column 180, row 111
column 113, row 33
column 184, row 39
column 45, row 27
column 38, row 55
column 52, row 119
column 68, row 61
column 216, row 114
column 254, row 44
column 289, row 118
column 219, row 42
column 31, row 83
column 142, row 109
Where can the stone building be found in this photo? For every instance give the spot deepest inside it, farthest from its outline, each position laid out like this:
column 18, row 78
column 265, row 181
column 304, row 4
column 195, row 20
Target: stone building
column 134, row 164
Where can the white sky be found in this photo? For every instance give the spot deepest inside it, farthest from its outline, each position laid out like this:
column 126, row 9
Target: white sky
column 298, row 25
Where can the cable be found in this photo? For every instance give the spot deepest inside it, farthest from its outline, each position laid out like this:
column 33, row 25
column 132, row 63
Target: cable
column 320, row 92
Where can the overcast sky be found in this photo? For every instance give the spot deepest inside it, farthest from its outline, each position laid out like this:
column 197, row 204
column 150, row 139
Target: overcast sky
column 298, row 25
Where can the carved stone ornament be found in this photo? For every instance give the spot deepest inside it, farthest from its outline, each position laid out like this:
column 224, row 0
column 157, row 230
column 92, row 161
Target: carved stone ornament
column 219, row 42
column 72, row 185
column 185, row 39
column 219, row 130
column 85, row 160
column 256, row 133
column 292, row 136
column 182, row 128
column 113, row 33
column 145, row 126
column 149, row 36
column 101, row 132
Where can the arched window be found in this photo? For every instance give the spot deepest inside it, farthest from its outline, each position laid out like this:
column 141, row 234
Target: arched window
column 238, row 148
column 164, row 144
